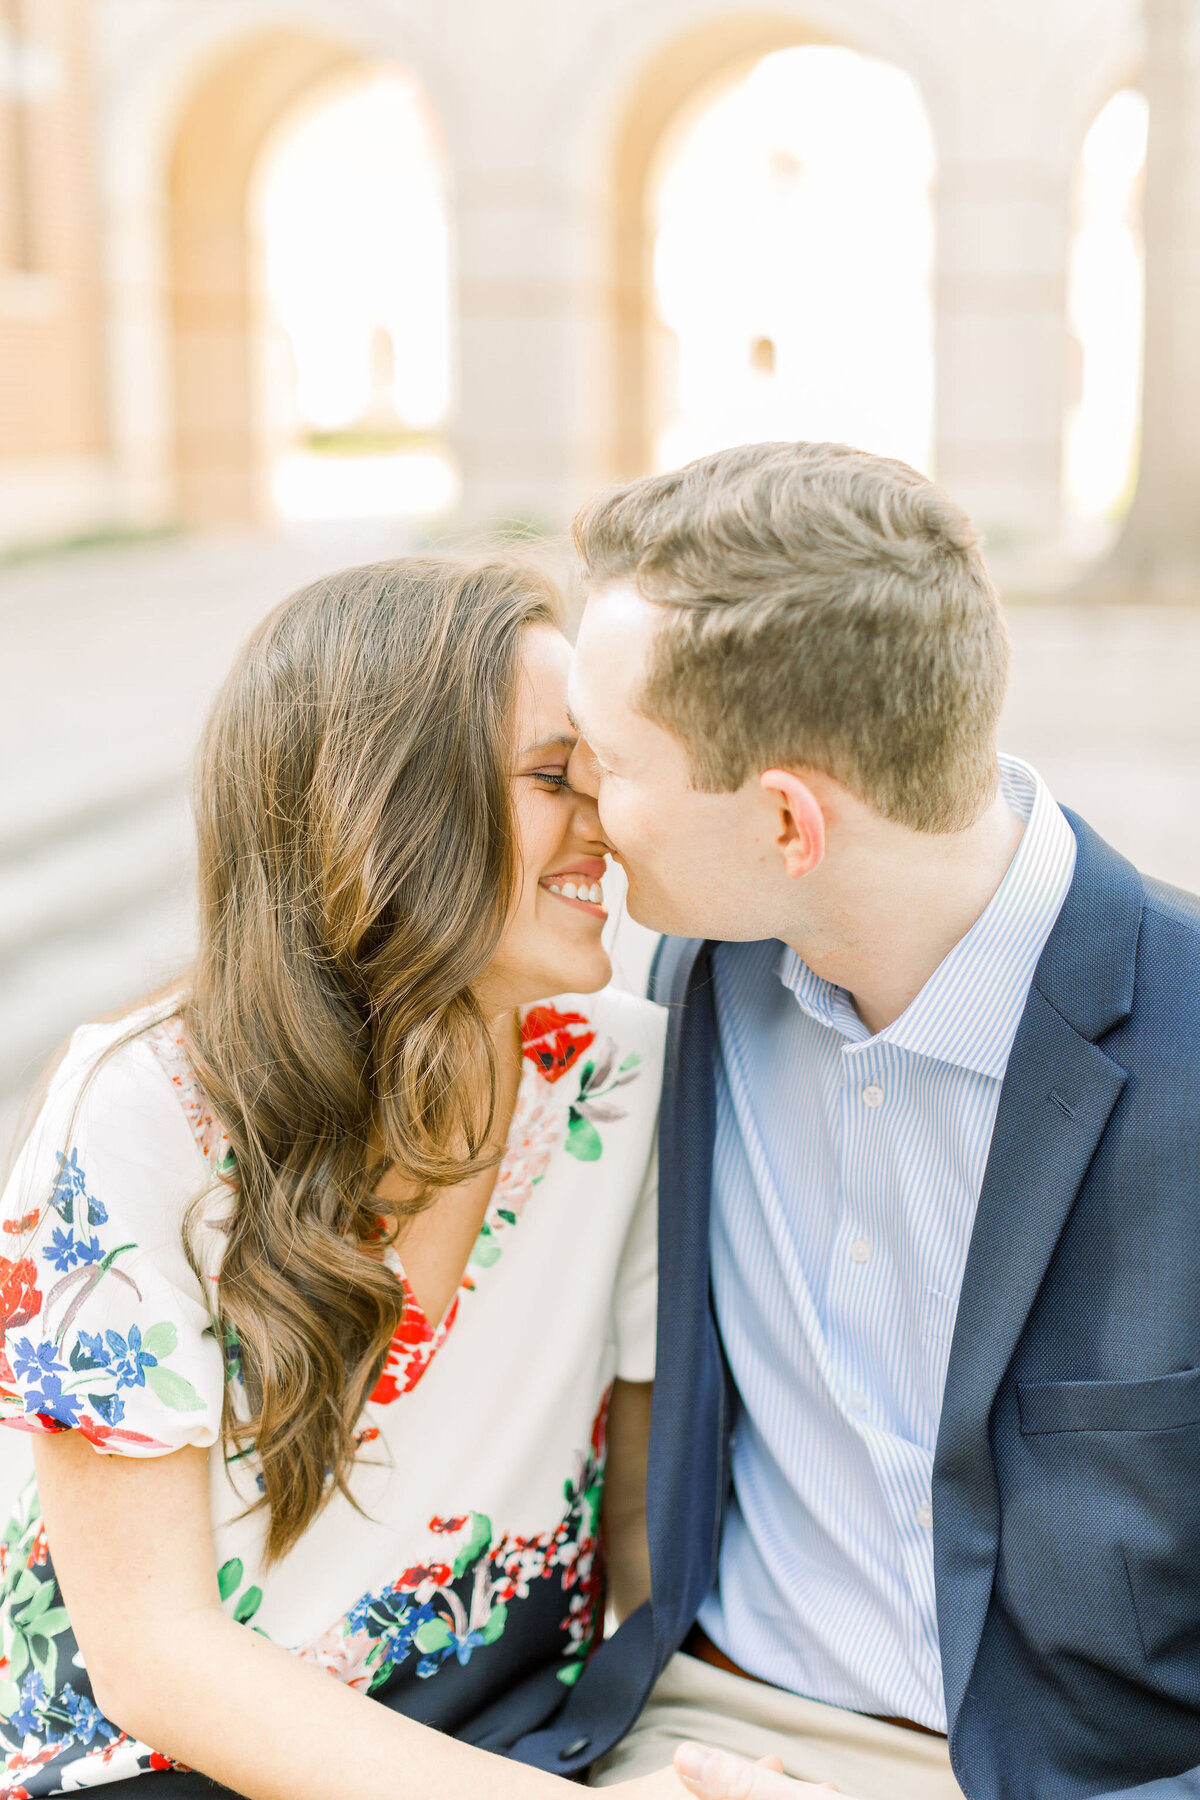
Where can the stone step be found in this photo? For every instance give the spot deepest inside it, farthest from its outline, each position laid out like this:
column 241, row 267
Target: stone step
column 73, row 874
column 95, row 909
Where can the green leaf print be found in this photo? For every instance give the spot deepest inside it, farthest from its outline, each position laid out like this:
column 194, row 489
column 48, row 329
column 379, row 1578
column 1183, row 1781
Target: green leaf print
column 248, row 1605
column 497, row 1619
column 434, row 1635
column 485, row 1253
column 479, row 1540
column 583, row 1140
column 632, row 1061
column 10, row 1699
column 161, row 1339
column 570, row 1675
column 229, row 1577
column 54, row 1622
column 175, row 1391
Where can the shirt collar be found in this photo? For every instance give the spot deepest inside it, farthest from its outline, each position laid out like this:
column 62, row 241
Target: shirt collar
column 968, row 1011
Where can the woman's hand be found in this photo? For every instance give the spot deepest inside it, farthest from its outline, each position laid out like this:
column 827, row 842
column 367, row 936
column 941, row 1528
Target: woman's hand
column 717, row 1775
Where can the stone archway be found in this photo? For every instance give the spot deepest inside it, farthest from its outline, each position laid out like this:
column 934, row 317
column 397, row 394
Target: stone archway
column 681, row 78
column 219, row 455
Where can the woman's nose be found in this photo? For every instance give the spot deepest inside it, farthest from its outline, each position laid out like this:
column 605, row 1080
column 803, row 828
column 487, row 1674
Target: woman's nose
column 587, row 822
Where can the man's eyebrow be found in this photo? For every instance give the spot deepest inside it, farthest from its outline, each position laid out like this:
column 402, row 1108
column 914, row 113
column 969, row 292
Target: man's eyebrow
column 561, row 740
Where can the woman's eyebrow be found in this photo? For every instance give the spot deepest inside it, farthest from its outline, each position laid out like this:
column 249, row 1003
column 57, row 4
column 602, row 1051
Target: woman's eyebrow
column 561, row 740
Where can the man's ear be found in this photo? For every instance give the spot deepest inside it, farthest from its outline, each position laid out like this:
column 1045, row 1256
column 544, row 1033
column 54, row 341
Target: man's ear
column 800, row 833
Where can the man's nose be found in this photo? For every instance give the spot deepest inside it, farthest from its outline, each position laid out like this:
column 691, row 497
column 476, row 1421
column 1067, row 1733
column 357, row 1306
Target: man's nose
column 581, row 769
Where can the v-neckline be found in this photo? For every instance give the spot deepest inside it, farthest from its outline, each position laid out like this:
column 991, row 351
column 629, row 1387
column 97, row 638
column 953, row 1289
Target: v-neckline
column 532, row 1133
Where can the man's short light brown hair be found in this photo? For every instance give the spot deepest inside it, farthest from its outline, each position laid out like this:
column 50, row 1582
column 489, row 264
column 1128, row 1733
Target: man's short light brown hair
column 822, row 609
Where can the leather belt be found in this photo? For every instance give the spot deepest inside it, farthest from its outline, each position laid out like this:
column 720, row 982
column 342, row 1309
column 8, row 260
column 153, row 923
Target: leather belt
column 698, row 1644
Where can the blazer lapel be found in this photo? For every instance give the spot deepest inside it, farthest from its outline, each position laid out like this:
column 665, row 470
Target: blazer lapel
column 681, row 980
column 1058, row 1094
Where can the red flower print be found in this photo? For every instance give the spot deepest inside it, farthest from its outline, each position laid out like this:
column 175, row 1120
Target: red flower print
column 410, row 1350
column 440, row 1574
column 448, row 1525
column 18, row 1227
column 19, row 1296
column 555, row 1040
column 39, row 1551
column 100, row 1435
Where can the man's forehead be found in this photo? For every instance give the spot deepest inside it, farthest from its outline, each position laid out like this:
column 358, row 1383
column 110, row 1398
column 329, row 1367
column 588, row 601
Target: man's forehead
column 617, row 604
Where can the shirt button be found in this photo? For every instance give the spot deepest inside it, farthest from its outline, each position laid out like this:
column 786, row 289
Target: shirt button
column 872, row 1095
column 860, row 1251
column 925, row 1517
column 859, row 1402
column 576, row 1747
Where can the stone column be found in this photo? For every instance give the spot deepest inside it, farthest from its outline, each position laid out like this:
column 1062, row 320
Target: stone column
column 523, row 347
column 1162, row 533
column 1000, row 339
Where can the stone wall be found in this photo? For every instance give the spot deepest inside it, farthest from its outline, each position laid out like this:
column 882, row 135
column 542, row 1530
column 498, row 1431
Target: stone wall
column 553, row 115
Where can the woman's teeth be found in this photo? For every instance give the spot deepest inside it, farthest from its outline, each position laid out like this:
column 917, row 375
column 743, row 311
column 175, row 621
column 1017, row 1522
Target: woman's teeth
column 569, row 890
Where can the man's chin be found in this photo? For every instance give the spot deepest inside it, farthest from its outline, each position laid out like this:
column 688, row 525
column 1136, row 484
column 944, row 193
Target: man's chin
column 656, row 913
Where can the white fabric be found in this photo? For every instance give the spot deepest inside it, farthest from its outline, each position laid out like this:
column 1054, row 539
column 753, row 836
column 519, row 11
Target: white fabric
column 559, row 1299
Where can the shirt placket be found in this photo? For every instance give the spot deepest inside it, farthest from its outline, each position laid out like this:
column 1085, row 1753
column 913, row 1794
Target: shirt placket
column 862, row 1290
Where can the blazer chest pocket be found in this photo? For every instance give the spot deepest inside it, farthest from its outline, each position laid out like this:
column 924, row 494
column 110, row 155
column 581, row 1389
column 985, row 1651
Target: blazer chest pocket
column 1163, row 1403
column 1124, row 1459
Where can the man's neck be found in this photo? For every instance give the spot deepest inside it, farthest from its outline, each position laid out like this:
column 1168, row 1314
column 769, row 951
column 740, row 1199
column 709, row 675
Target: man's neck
column 892, row 904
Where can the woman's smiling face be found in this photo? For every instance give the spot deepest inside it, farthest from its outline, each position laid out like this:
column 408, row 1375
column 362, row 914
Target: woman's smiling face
column 552, row 942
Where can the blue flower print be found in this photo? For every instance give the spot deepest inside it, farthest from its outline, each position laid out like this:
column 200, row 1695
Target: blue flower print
column 110, row 1407
column 130, row 1361
column 86, row 1718
column 52, row 1402
column 35, row 1360
column 27, row 1720
column 90, row 1351
column 464, row 1646
column 71, row 1183
column 64, row 1250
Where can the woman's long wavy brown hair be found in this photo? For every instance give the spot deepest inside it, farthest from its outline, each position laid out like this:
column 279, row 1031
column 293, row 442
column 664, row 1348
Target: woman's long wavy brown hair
column 356, row 869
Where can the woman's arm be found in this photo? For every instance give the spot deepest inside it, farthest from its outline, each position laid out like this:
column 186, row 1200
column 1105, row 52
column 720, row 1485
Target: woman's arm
column 623, row 1517
column 131, row 1540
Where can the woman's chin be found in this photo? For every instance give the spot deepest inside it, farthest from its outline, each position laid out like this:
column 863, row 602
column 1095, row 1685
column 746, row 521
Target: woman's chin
column 578, row 972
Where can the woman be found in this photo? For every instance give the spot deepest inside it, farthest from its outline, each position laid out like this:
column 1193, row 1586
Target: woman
column 317, row 1277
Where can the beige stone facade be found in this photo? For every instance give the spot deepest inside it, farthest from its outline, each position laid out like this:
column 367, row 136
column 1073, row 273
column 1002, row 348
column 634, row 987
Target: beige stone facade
column 54, row 459
column 125, row 356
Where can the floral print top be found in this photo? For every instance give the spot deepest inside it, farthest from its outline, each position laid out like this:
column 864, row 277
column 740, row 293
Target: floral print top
column 473, row 1567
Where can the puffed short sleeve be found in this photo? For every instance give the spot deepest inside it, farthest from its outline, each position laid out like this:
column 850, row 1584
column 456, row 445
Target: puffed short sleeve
column 107, row 1328
column 635, row 1302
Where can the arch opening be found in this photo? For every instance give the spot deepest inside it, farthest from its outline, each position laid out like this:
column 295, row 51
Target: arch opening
column 349, row 208
column 774, row 253
column 1105, row 323
column 280, row 109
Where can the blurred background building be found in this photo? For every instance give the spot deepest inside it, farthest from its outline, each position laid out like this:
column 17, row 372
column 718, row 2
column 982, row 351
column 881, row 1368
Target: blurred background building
column 292, row 283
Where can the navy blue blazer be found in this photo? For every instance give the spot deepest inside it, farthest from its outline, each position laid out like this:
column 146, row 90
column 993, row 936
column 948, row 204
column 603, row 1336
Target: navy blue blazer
column 1066, row 1481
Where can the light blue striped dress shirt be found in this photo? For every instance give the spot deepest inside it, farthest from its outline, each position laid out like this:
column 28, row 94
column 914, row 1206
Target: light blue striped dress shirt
column 846, row 1175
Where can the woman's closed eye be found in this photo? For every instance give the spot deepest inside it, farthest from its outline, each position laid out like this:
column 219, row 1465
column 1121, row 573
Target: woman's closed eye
column 552, row 778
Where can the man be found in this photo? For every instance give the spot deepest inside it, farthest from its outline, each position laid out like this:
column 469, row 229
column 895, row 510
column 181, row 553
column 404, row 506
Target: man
column 925, row 1456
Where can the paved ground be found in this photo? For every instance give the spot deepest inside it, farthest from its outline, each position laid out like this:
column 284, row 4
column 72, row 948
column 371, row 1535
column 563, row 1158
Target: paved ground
column 108, row 660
